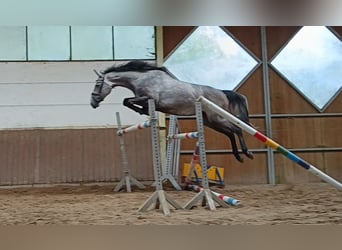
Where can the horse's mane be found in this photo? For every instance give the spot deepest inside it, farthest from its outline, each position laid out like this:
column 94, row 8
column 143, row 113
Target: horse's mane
column 137, row 65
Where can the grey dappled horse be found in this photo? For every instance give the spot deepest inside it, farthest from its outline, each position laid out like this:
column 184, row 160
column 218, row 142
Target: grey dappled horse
column 172, row 96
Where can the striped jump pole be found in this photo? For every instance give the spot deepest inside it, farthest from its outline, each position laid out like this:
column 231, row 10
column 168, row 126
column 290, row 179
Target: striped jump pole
column 269, row 142
column 227, row 199
column 190, row 135
column 145, row 124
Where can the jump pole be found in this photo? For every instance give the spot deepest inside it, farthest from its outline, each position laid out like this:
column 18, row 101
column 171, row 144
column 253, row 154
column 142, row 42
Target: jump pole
column 190, row 135
column 160, row 199
column 227, row 199
column 269, row 142
column 127, row 178
column 142, row 125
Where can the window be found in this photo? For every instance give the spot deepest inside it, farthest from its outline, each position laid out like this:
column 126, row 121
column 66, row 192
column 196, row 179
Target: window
column 12, row 43
column 134, row 42
column 65, row 43
column 312, row 64
column 48, row 43
column 210, row 56
column 91, row 43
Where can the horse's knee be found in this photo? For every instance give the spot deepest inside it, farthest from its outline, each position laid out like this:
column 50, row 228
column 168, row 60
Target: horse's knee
column 126, row 102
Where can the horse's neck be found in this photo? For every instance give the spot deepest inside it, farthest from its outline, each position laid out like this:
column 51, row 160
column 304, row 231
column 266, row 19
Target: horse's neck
column 122, row 79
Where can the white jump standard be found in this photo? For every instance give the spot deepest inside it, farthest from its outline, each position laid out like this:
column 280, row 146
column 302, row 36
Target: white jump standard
column 205, row 194
column 172, row 156
column 159, row 198
column 127, row 179
column 269, row 142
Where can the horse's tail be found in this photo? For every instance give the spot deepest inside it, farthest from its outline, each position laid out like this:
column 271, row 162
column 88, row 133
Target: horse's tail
column 238, row 105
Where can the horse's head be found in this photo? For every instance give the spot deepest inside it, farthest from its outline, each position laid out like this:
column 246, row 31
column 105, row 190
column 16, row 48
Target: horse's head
column 101, row 90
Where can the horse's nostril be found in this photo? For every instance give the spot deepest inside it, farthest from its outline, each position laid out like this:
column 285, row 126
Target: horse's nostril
column 94, row 104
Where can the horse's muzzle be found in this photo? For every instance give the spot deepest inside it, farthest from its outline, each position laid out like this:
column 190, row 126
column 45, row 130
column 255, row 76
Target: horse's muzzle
column 95, row 100
column 94, row 103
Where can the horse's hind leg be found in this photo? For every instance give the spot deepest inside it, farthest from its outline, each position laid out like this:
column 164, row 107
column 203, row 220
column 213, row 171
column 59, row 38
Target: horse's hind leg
column 138, row 104
column 235, row 150
column 222, row 128
column 243, row 145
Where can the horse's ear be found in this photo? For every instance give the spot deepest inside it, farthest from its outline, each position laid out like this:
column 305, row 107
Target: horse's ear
column 98, row 74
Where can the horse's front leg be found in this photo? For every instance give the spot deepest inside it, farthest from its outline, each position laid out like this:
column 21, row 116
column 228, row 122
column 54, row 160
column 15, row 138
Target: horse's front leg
column 138, row 104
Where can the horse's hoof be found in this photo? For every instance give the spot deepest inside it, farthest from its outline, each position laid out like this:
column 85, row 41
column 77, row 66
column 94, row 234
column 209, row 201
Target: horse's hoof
column 239, row 158
column 250, row 155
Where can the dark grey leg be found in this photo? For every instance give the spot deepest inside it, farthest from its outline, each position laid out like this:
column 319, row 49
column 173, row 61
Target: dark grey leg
column 138, row 104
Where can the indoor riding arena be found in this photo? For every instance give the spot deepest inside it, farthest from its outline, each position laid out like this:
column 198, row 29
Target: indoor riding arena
column 73, row 154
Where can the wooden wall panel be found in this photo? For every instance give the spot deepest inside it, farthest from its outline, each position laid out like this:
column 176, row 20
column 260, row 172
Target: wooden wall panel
column 250, row 36
column 308, row 133
column 289, row 172
column 71, row 156
column 331, row 131
column 139, row 150
column 248, row 172
column 298, row 132
column 332, row 164
column 173, row 35
column 337, row 29
column 253, row 89
column 285, row 99
column 18, row 157
column 277, row 36
column 335, row 106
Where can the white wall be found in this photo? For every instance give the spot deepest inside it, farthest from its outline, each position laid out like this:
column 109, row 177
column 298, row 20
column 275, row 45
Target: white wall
column 57, row 94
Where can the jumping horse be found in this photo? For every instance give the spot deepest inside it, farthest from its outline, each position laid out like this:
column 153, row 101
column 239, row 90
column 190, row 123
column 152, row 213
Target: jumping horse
column 172, row 96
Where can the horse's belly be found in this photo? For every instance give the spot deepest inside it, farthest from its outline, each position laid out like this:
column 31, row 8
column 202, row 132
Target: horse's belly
column 178, row 107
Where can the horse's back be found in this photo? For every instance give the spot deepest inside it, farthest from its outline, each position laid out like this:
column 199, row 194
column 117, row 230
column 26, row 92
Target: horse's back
column 215, row 95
